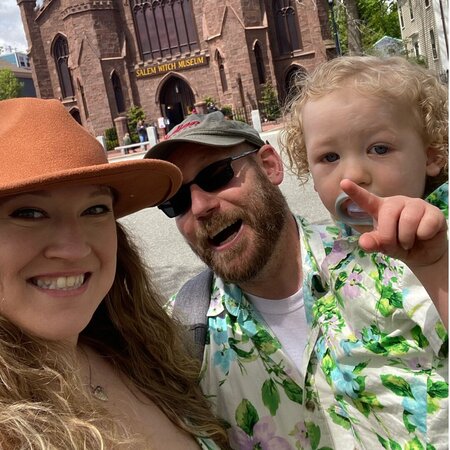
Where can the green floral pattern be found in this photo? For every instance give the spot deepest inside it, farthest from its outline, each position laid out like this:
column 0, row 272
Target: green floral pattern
column 379, row 350
column 374, row 372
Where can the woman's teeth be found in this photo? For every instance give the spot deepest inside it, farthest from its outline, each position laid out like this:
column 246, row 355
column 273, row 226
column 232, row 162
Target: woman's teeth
column 63, row 283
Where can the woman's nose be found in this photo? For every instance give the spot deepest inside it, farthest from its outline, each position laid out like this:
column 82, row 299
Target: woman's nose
column 68, row 241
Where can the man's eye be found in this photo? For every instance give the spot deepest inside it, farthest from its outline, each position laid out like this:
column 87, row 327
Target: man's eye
column 28, row 213
column 97, row 210
column 330, row 157
column 379, row 149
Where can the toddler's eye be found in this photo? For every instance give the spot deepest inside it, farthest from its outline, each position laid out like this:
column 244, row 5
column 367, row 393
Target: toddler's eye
column 379, row 149
column 28, row 213
column 330, row 157
column 97, row 210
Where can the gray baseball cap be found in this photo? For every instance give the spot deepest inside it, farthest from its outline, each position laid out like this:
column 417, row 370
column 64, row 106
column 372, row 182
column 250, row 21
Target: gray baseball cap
column 211, row 129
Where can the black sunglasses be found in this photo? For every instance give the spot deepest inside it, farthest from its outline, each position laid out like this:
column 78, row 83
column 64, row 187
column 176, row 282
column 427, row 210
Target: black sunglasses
column 211, row 178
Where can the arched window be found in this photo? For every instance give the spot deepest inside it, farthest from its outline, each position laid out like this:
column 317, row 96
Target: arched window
column 164, row 27
column 223, row 76
column 61, row 56
column 286, row 27
column 259, row 63
column 118, row 94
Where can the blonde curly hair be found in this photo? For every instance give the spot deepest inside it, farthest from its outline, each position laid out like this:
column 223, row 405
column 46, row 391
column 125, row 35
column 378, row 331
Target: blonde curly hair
column 392, row 78
column 43, row 402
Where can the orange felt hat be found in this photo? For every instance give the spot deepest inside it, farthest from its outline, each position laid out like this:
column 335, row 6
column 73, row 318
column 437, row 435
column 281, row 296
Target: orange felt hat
column 42, row 146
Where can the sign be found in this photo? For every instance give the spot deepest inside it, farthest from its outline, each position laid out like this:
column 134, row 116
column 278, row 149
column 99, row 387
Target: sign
column 180, row 64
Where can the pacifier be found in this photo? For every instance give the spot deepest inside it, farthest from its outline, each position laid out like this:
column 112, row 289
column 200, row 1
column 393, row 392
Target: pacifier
column 350, row 213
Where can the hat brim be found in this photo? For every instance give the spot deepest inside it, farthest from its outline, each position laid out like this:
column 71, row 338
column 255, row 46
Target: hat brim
column 163, row 149
column 137, row 184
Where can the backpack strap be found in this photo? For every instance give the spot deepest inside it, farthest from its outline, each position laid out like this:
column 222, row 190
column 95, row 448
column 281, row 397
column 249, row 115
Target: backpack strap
column 191, row 305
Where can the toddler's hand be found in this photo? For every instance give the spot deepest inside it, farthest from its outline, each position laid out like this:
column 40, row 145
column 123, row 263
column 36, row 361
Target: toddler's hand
column 405, row 228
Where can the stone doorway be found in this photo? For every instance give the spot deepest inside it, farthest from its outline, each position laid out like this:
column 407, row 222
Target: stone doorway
column 176, row 99
column 75, row 113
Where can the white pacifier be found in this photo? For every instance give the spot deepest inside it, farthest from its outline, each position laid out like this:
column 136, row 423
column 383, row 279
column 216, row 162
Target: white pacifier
column 350, row 213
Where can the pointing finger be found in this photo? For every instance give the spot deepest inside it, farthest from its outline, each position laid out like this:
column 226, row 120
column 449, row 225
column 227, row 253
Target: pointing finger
column 364, row 199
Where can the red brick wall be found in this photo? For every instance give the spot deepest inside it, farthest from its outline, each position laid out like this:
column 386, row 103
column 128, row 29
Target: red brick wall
column 101, row 39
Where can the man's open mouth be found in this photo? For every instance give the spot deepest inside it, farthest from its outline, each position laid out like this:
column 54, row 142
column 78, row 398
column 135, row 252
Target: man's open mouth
column 226, row 235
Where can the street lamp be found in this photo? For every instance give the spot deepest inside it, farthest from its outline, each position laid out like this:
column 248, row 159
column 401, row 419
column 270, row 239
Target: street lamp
column 335, row 28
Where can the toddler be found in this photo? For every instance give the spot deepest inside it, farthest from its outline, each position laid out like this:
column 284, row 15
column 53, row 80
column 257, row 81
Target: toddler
column 377, row 130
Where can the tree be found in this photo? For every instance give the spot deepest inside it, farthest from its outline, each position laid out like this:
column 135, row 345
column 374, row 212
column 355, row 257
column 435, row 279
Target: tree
column 354, row 34
column 363, row 22
column 134, row 115
column 10, row 86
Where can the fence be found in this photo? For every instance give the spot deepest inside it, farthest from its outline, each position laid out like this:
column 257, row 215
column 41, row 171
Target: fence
column 267, row 114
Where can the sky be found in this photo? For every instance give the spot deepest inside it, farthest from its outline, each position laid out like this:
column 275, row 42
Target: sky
column 11, row 28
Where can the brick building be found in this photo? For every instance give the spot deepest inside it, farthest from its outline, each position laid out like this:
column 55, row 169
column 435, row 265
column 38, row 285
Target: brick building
column 100, row 57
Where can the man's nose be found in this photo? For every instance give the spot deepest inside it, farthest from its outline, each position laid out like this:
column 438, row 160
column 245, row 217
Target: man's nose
column 203, row 203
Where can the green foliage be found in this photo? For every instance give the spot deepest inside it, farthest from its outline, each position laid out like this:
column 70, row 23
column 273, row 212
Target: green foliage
column 111, row 138
column 227, row 110
column 10, row 86
column 270, row 108
column 209, row 100
column 134, row 115
column 377, row 18
column 420, row 60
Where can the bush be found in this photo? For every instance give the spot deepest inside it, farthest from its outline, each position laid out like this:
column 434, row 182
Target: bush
column 227, row 111
column 111, row 138
column 270, row 108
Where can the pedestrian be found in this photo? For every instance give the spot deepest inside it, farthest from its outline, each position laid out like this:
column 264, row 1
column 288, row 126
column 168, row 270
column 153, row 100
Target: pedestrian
column 141, row 130
column 259, row 355
column 88, row 357
column 372, row 169
column 127, row 141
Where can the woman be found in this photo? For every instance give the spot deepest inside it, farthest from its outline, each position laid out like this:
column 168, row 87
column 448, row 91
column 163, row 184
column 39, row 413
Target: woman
column 88, row 357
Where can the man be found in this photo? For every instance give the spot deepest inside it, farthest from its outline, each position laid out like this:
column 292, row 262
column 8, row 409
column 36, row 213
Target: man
column 278, row 383
column 233, row 215
column 141, row 130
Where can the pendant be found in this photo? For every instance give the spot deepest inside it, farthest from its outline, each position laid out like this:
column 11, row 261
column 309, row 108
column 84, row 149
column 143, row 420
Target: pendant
column 99, row 393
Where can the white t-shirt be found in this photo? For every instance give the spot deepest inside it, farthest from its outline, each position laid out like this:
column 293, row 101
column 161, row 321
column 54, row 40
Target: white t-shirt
column 287, row 320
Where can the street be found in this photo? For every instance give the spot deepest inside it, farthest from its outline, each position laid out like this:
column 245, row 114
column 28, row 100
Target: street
column 170, row 258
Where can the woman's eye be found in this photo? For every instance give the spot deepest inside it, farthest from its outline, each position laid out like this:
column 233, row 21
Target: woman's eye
column 97, row 210
column 28, row 213
column 330, row 157
column 379, row 149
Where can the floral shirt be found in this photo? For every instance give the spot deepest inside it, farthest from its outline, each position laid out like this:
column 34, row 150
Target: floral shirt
column 374, row 371
column 207, row 444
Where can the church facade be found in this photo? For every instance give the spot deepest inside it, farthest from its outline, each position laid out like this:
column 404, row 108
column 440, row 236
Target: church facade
column 100, row 57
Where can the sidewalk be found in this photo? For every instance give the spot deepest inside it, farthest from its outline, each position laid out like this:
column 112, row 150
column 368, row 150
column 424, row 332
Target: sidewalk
column 117, row 154
column 114, row 154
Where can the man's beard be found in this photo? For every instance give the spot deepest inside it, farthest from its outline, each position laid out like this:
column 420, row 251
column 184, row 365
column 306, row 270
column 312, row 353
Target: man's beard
column 265, row 214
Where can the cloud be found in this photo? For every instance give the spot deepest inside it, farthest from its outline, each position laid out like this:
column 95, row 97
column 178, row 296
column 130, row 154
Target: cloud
column 11, row 28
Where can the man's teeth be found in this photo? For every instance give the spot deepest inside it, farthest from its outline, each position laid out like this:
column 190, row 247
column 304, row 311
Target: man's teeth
column 63, row 283
column 226, row 234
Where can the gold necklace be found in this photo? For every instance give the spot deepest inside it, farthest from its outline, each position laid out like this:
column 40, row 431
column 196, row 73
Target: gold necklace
column 97, row 391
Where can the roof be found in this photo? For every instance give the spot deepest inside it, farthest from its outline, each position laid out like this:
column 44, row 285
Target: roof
column 19, row 72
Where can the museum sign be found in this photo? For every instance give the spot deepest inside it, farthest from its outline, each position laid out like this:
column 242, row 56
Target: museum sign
column 180, row 64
